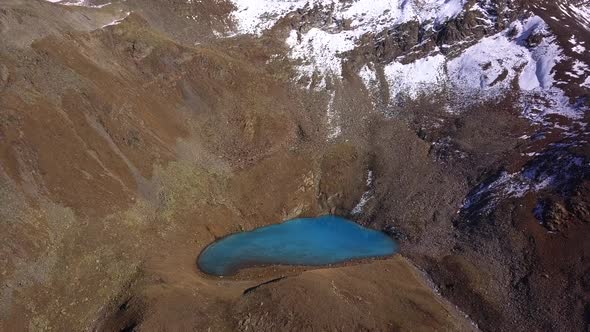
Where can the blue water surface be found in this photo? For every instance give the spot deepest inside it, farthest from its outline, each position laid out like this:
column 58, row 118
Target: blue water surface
column 304, row 241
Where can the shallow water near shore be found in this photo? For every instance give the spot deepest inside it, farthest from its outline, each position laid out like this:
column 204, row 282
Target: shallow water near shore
column 304, row 241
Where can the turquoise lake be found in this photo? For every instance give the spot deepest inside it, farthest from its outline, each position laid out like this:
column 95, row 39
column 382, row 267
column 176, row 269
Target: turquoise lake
column 304, row 241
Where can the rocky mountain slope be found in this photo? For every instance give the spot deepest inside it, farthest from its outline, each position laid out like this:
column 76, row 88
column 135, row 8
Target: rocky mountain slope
column 134, row 133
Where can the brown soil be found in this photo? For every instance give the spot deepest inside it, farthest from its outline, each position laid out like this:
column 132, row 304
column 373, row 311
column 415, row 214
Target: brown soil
column 126, row 149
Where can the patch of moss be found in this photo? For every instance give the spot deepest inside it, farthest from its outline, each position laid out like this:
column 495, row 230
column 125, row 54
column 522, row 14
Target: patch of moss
column 182, row 186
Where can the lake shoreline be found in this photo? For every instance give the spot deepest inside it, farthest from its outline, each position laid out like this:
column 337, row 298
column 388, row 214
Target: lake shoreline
column 324, row 241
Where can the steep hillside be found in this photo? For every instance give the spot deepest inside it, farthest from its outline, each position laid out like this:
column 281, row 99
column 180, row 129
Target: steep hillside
column 134, row 133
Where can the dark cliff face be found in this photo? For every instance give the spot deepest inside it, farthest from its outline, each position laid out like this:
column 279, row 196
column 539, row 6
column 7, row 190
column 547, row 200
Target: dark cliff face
column 134, row 134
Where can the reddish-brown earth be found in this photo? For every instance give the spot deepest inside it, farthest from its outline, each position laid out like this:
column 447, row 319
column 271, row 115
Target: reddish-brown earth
column 126, row 149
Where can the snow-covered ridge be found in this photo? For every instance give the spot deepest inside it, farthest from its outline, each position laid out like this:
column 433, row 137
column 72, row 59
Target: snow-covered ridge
column 523, row 56
column 318, row 50
column 492, row 64
column 256, row 16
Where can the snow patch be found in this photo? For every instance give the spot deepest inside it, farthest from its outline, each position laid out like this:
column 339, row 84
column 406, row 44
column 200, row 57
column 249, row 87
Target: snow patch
column 79, row 3
column 412, row 79
column 579, row 49
column 117, row 21
column 253, row 17
column 367, row 195
column 536, row 105
column 544, row 56
column 582, row 13
column 368, row 76
column 550, row 170
column 334, row 129
column 319, row 52
column 488, row 67
column 580, row 67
